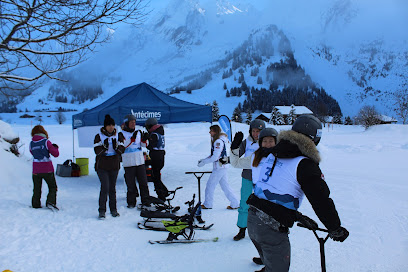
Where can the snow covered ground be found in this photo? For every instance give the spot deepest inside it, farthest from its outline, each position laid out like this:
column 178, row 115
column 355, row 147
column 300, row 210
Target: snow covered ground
column 366, row 172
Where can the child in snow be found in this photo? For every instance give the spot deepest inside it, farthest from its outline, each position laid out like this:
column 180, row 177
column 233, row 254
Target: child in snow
column 219, row 158
column 41, row 148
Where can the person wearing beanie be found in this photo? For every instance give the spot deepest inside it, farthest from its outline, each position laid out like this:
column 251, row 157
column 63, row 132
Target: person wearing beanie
column 246, row 149
column 156, row 152
column 133, row 161
column 41, row 148
column 108, row 147
column 283, row 175
column 219, row 160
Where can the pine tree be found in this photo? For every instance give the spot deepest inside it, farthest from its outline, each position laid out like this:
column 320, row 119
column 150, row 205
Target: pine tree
column 225, row 86
column 348, row 121
column 248, row 117
column 279, row 118
column 259, row 81
column 274, row 116
column 291, row 116
column 236, row 115
column 337, row 120
column 215, row 111
column 227, row 94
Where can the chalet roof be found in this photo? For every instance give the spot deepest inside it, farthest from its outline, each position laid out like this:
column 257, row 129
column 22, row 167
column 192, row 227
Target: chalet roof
column 286, row 109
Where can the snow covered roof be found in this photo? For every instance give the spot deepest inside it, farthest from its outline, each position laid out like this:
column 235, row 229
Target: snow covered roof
column 286, row 109
column 386, row 118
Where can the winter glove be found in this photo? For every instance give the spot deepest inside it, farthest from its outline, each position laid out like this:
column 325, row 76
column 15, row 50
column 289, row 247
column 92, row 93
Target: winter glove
column 309, row 223
column 114, row 144
column 339, row 234
column 145, row 136
column 200, row 163
column 237, row 140
column 106, row 143
column 55, row 145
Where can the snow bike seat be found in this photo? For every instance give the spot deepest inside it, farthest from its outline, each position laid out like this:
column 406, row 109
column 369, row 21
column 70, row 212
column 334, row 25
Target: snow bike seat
column 157, row 214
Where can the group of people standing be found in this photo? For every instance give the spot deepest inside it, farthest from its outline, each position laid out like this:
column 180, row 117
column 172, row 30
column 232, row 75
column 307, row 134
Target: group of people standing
column 112, row 147
column 279, row 169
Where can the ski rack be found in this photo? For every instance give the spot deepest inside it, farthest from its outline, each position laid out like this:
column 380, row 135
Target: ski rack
column 321, row 241
column 199, row 175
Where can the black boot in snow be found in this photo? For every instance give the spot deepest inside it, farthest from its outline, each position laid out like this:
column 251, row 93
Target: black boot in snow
column 240, row 235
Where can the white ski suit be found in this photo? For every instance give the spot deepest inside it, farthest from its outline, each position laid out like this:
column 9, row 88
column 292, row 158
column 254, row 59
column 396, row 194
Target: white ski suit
column 219, row 173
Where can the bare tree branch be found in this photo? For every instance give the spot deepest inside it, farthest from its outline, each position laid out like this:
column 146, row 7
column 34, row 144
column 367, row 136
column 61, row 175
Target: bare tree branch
column 41, row 37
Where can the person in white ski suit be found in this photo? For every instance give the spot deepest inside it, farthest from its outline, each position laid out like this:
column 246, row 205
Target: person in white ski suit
column 133, row 162
column 219, row 158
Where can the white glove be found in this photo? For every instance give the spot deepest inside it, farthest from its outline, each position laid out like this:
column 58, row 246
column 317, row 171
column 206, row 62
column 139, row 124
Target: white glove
column 200, row 163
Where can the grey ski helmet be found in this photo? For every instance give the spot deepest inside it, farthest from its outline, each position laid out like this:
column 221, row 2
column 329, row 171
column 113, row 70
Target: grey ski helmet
column 310, row 126
column 267, row 132
column 257, row 123
column 150, row 122
column 129, row 117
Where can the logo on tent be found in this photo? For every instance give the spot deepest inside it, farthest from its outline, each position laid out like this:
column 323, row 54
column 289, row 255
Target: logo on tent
column 144, row 115
column 77, row 122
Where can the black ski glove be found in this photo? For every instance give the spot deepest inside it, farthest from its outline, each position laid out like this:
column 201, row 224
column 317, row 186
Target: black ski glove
column 114, row 143
column 106, row 143
column 339, row 234
column 55, row 145
column 237, row 140
column 308, row 222
column 145, row 136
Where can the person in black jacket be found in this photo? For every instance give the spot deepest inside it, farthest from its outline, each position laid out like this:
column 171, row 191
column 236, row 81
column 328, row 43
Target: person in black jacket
column 156, row 152
column 283, row 175
column 108, row 147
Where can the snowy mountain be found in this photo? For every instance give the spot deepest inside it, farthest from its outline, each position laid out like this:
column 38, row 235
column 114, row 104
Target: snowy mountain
column 356, row 59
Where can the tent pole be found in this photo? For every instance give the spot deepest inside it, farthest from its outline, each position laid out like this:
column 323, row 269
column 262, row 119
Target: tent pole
column 73, row 145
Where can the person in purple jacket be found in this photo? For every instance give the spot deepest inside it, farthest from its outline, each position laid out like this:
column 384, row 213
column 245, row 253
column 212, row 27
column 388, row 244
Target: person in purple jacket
column 41, row 148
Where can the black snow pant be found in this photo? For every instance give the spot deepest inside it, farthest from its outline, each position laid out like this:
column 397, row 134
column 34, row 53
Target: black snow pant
column 131, row 174
column 273, row 246
column 52, row 189
column 157, row 162
column 108, row 188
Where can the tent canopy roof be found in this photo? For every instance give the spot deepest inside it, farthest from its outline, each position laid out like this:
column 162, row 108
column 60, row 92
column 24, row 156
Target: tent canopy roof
column 143, row 101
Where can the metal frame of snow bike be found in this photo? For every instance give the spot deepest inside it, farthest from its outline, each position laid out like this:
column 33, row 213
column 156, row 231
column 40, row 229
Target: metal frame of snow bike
column 198, row 213
column 188, row 219
column 321, row 241
column 161, row 205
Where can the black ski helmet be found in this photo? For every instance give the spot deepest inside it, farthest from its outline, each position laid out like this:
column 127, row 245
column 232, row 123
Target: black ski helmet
column 310, row 126
column 267, row 132
column 150, row 122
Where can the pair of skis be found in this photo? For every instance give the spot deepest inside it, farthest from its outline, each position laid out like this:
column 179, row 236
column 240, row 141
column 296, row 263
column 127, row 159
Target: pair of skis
column 183, row 241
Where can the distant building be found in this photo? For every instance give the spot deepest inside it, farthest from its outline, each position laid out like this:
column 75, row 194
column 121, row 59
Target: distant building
column 284, row 110
column 384, row 119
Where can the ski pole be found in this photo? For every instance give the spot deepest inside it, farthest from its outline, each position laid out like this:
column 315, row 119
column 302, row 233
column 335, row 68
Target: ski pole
column 321, row 241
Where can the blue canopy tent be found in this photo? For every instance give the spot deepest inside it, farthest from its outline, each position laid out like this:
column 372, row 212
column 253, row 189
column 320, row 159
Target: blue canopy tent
column 143, row 101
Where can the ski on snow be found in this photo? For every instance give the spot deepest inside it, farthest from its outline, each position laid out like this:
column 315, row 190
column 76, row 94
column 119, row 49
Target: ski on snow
column 184, row 241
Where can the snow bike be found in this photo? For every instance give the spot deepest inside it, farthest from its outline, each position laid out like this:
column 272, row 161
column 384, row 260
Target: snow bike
column 153, row 219
column 156, row 204
column 321, row 241
column 182, row 226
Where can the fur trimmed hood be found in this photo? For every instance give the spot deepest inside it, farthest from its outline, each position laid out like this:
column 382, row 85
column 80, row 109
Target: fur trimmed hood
column 292, row 144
